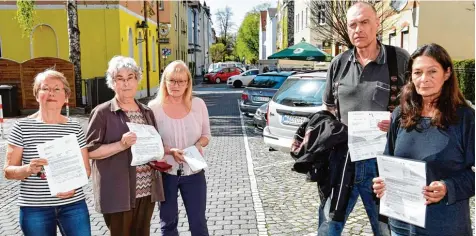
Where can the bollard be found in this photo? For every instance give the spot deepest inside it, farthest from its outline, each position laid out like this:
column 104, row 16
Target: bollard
column 1, row 117
column 67, row 107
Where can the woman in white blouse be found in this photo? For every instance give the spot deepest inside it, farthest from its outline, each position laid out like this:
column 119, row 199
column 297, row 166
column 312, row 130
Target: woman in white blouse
column 182, row 121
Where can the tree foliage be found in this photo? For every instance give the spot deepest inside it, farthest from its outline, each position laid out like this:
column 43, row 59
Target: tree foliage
column 217, row 52
column 334, row 14
column 247, row 41
column 25, row 15
column 223, row 17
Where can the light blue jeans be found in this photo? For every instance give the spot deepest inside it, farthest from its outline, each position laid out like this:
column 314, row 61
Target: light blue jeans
column 365, row 171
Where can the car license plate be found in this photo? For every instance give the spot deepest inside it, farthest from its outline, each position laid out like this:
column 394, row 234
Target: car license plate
column 261, row 99
column 293, row 120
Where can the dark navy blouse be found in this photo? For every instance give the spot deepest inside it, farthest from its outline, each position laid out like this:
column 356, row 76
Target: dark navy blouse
column 449, row 156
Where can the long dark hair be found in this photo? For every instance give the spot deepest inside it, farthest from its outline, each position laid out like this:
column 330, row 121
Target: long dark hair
column 450, row 99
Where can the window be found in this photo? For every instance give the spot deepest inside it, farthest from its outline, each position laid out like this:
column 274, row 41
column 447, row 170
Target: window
column 267, row 81
column 297, row 92
column 302, row 19
column 131, row 43
column 161, row 5
column 141, row 61
column 405, row 39
column 176, row 22
column 321, row 14
column 297, row 21
column 392, row 39
column 154, row 54
column 306, row 17
column 254, row 72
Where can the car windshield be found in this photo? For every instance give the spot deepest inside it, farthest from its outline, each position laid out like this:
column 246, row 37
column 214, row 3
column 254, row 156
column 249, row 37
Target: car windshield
column 215, row 70
column 300, row 93
column 267, row 81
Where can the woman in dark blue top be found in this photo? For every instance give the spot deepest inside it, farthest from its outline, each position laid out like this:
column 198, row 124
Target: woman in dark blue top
column 435, row 124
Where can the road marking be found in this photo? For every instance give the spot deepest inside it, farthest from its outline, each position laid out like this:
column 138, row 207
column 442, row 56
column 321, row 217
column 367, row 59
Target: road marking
column 257, row 203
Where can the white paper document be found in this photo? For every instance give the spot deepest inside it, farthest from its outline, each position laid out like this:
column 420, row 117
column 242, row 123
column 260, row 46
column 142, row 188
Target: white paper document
column 65, row 170
column 148, row 146
column 404, row 181
column 365, row 140
column 194, row 159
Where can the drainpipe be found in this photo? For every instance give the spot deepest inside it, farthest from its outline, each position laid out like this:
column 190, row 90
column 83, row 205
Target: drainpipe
column 158, row 34
column 146, row 38
column 178, row 32
column 195, row 40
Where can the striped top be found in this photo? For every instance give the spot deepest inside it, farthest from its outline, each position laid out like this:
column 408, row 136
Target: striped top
column 27, row 133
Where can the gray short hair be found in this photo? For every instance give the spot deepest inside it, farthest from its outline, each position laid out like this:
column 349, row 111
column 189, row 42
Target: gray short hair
column 121, row 62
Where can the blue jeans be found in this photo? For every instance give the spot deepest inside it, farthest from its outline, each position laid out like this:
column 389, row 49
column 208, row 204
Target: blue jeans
column 72, row 219
column 193, row 189
column 365, row 171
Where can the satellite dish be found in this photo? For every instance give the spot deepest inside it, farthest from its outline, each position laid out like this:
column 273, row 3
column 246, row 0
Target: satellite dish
column 398, row 5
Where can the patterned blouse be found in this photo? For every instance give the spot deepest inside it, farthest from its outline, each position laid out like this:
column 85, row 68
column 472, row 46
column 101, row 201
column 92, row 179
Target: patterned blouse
column 144, row 172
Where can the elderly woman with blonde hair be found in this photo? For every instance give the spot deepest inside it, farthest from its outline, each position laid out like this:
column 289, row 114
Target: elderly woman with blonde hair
column 124, row 194
column 41, row 213
column 182, row 122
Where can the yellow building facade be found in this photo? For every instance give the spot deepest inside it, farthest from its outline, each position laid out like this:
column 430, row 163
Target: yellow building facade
column 105, row 31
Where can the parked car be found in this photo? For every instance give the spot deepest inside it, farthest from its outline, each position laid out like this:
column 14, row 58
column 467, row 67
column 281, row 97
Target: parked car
column 242, row 79
column 221, row 65
column 221, row 75
column 261, row 89
column 299, row 97
column 259, row 119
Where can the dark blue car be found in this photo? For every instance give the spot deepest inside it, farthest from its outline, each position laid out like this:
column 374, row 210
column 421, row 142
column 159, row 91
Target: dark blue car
column 261, row 89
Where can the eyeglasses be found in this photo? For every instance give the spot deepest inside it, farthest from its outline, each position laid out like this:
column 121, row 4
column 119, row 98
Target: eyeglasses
column 52, row 90
column 176, row 82
column 123, row 80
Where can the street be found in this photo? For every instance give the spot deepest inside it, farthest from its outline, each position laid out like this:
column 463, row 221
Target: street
column 251, row 191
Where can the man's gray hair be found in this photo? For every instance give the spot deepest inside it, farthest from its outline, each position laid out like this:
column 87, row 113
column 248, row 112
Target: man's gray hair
column 118, row 63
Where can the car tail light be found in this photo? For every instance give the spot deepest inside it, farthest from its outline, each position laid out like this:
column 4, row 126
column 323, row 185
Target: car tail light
column 244, row 96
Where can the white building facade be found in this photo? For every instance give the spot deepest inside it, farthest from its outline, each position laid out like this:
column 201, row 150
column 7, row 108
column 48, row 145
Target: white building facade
column 262, row 35
column 199, row 36
column 271, row 32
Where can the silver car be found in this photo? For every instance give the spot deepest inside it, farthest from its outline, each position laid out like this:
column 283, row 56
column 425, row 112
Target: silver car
column 299, row 97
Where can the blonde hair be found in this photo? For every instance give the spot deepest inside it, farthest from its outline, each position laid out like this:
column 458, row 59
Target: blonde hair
column 53, row 74
column 173, row 69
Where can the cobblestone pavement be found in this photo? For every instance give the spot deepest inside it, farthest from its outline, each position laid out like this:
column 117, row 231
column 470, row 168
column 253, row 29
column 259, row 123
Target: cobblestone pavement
column 251, row 191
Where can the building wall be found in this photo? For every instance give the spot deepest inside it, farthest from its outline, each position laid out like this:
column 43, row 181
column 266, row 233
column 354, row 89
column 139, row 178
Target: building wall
column 424, row 24
column 402, row 30
column 271, row 29
column 262, row 35
column 105, row 32
column 449, row 24
column 303, row 28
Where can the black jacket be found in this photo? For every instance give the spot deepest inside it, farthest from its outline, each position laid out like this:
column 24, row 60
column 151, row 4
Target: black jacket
column 326, row 152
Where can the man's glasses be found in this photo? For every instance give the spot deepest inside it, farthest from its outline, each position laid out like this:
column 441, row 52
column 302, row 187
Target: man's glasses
column 177, row 82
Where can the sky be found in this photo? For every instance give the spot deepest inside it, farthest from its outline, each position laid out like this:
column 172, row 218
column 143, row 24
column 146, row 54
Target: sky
column 238, row 7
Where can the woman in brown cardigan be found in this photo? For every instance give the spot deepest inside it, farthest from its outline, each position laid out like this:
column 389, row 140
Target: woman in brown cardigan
column 124, row 194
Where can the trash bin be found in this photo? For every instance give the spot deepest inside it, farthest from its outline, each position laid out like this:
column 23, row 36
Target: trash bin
column 9, row 100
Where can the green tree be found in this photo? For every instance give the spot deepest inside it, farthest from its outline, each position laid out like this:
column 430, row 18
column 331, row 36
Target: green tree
column 217, row 52
column 247, row 41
